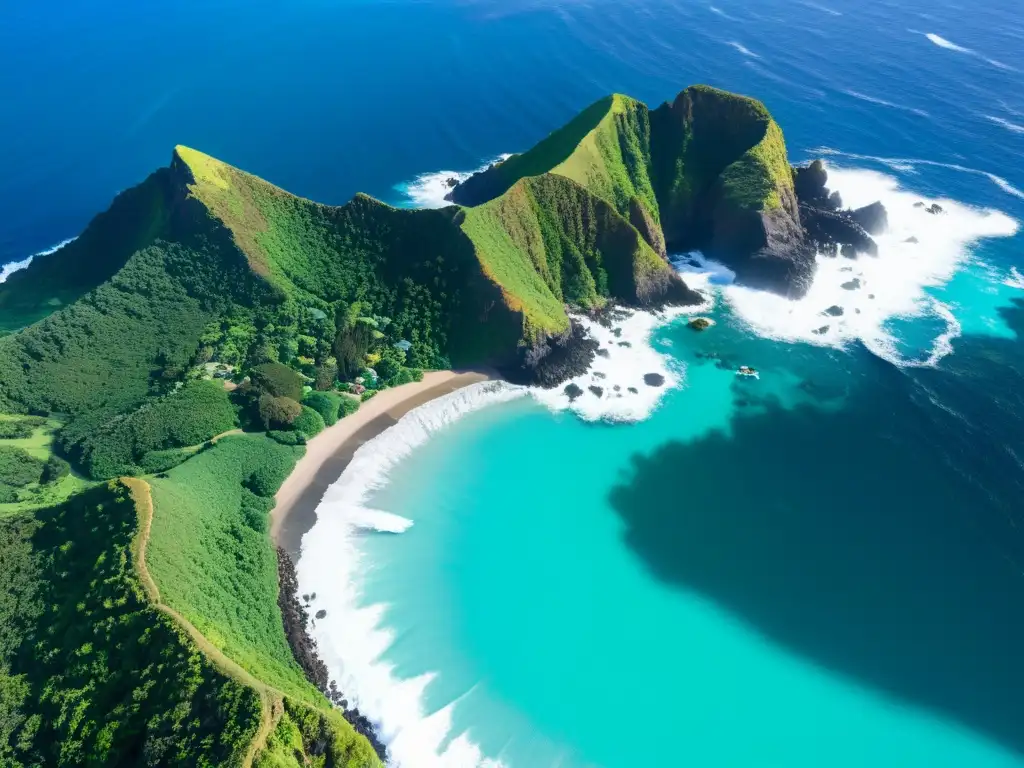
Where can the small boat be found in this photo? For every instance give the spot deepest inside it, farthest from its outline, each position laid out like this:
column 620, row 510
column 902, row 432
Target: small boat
column 746, row 370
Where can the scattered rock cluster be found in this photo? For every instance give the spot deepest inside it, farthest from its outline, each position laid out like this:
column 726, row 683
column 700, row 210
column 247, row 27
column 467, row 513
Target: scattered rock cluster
column 304, row 649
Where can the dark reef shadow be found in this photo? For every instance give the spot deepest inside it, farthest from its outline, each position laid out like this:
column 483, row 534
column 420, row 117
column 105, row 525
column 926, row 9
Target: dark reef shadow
column 882, row 541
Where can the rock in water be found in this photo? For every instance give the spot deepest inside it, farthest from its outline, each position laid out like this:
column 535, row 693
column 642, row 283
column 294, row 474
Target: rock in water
column 654, row 379
column 599, row 391
column 872, row 217
column 809, row 182
column 572, row 391
column 834, row 311
column 700, row 323
column 935, row 208
column 828, row 227
column 912, row 240
column 820, row 331
column 852, row 285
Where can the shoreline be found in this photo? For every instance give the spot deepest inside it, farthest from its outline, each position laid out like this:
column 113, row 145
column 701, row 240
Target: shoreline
column 329, row 453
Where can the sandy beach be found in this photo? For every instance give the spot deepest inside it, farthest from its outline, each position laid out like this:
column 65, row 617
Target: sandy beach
column 329, row 453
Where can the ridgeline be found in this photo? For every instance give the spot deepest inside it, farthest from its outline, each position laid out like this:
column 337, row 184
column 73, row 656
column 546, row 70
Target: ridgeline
column 204, row 327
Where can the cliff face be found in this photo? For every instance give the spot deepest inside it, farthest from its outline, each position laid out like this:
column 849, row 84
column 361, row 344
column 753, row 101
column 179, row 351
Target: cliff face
column 708, row 171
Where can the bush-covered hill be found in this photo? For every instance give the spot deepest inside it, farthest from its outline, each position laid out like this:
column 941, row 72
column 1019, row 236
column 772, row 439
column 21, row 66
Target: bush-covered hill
column 207, row 302
column 708, row 170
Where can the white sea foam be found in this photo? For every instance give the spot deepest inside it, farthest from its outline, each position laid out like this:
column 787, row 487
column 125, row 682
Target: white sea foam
column 9, row 269
column 884, row 103
column 743, row 49
column 352, row 638
column 1015, row 279
column 1005, row 123
column 890, row 286
column 907, row 165
column 428, row 190
column 822, row 8
column 951, row 46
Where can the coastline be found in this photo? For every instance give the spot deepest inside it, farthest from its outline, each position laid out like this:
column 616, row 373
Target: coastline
column 329, row 453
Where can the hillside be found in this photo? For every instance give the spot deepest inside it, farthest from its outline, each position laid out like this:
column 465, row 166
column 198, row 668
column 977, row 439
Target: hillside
column 161, row 374
column 707, row 171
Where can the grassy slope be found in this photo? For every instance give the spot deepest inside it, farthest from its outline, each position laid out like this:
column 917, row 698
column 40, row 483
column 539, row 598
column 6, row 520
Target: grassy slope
column 90, row 673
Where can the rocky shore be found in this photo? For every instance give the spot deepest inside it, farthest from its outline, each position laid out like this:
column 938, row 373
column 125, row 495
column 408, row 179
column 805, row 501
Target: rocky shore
column 304, row 648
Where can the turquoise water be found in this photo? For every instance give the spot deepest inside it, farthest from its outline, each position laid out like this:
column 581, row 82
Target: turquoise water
column 823, row 567
column 589, row 599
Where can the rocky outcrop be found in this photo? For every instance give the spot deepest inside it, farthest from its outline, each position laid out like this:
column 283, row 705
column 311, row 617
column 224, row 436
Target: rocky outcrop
column 873, row 218
column 555, row 359
column 296, row 619
column 831, row 231
column 700, row 323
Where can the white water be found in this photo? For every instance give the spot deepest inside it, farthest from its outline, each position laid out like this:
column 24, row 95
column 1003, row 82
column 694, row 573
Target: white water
column 428, row 190
column 891, row 286
column 1005, row 123
column 351, row 638
column 951, row 46
column 743, row 49
column 9, row 269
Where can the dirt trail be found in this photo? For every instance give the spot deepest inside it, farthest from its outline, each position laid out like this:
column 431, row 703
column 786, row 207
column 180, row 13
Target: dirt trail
column 271, row 700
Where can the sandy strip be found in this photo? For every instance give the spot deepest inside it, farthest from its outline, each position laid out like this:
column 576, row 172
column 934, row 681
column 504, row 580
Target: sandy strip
column 329, row 453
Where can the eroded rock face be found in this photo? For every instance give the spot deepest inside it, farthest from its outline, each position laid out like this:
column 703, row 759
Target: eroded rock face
column 829, row 229
column 873, row 218
column 556, row 359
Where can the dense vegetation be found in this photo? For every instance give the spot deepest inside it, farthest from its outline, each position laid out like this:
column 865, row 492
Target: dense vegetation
column 90, row 673
column 206, row 301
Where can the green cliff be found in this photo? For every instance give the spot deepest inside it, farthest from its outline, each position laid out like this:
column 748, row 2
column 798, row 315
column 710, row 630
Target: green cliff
column 160, row 375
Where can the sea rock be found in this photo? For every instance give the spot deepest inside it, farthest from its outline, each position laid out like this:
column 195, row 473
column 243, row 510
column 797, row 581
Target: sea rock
column 834, row 311
column 873, row 218
column 826, row 227
column 451, row 182
column 809, row 182
column 654, row 379
column 573, row 391
column 616, row 387
column 912, row 239
column 553, row 360
column 849, row 251
column 599, row 391
column 919, row 204
column 934, row 208
column 871, row 295
column 633, row 390
column 602, row 353
column 700, row 323
column 625, row 344
column 321, row 614
column 851, row 285
column 599, row 375
column 821, row 331
column 616, row 332
column 835, row 202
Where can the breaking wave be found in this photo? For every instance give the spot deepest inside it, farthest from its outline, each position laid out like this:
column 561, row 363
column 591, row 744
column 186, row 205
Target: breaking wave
column 352, row 638
column 428, row 190
column 863, row 299
column 951, row 46
column 9, row 269
column 743, row 49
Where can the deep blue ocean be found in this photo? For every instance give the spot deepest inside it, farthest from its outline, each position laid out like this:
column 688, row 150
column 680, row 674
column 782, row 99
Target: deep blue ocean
column 824, row 566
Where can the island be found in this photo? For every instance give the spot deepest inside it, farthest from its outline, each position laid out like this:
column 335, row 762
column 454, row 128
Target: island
column 162, row 375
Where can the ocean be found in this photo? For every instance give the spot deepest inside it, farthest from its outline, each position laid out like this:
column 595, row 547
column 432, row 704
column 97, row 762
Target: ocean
column 822, row 566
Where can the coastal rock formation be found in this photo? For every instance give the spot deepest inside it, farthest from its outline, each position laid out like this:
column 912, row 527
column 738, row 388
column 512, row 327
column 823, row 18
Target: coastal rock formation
column 304, row 648
column 700, row 323
column 826, row 226
column 873, row 218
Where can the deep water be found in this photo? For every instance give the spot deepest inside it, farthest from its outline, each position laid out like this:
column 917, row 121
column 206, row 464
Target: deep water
column 824, row 566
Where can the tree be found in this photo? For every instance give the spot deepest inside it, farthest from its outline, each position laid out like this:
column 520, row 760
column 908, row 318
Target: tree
column 278, row 411
column 278, row 380
column 392, row 359
column 326, row 373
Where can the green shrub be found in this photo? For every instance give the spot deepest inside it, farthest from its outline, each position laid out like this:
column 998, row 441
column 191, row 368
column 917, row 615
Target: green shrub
column 392, row 359
column 348, row 406
column 278, row 411
column 309, row 422
column 161, row 461
column 327, row 404
column 56, row 469
column 367, row 395
column 19, row 429
column 287, row 438
column 278, row 380
column 18, row 467
column 190, row 416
